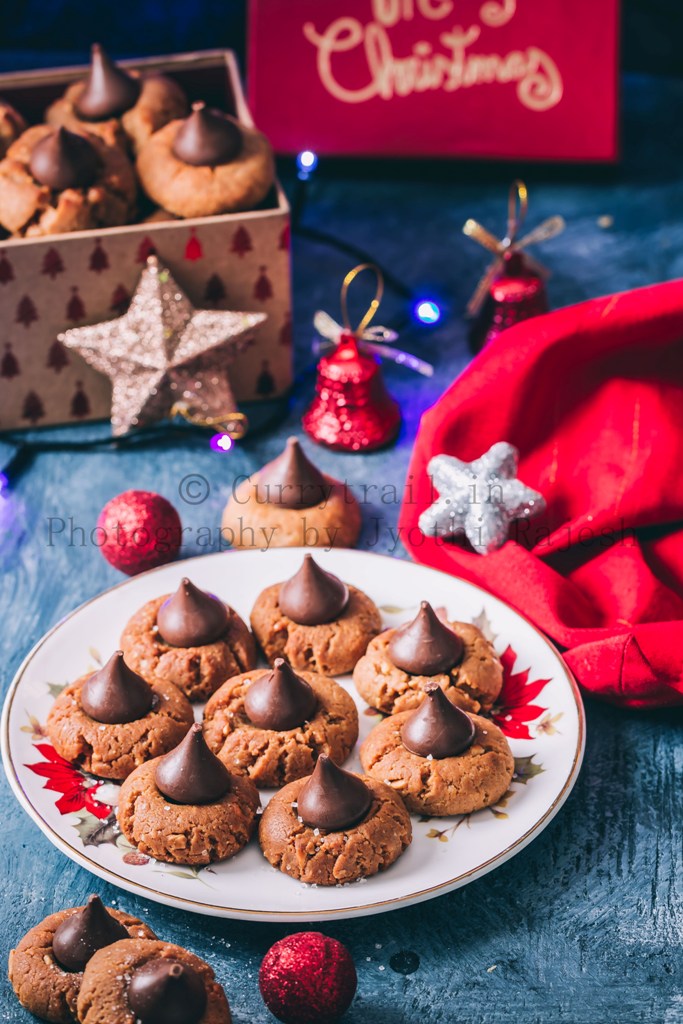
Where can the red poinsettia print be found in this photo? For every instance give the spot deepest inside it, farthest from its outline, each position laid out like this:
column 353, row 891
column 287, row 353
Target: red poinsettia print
column 74, row 785
column 514, row 709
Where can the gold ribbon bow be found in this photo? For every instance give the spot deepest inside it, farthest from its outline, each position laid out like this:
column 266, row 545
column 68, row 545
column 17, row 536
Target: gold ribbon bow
column 373, row 340
column 518, row 202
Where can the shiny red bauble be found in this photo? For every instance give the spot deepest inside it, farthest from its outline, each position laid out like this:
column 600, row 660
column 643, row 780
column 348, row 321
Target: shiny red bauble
column 308, row 978
column 352, row 409
column 138, row 530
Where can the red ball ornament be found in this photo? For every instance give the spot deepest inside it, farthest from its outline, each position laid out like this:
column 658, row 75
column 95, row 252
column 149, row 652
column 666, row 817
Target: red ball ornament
column 308, row 978
column 139, row 530
column 352, row 409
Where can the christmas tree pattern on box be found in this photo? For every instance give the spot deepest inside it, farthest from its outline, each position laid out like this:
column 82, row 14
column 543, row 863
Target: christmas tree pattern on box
column 47, row 286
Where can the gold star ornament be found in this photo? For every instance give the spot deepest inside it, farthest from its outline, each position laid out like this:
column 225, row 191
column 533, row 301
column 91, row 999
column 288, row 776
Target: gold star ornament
column 164, row 357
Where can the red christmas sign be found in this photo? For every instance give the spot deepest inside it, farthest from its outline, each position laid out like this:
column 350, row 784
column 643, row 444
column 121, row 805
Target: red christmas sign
column 530, row 79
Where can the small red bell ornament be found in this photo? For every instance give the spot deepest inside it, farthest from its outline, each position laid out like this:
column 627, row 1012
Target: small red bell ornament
column 512, row 288
column 352, row 409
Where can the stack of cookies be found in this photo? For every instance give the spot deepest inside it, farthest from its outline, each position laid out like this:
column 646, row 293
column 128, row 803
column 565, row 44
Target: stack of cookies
column 118, row 137
column 190, row 792
column 97, row 965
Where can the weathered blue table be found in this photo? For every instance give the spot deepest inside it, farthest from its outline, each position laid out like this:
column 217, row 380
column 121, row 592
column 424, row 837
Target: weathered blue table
column 586, row 924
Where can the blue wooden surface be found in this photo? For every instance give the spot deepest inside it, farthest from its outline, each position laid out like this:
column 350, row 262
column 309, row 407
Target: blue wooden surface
column 585, row 925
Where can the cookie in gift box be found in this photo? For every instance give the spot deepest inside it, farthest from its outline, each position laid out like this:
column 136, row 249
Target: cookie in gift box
column 53, row 180
column 208, row 164
column 122, row 107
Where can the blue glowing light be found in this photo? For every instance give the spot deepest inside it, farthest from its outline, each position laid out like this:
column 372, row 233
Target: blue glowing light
column 306, row 161
column 221, row 442
column 427, row 311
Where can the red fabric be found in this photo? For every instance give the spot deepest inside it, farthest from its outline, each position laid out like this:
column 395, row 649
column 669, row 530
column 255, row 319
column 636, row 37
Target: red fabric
column 592, row 396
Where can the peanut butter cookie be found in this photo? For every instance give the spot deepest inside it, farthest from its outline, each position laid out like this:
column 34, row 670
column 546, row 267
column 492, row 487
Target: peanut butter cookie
column 273, row 757
column 475, row 778
column 140, row 979
column 473, row 683
column 42, row 984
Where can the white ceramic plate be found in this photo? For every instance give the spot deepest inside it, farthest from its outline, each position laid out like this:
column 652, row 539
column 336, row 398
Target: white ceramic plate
column 540, row 710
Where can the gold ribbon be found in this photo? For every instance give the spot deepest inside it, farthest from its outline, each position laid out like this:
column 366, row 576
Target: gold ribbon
column 373, row 340
column 518, row 202
column 235, row 424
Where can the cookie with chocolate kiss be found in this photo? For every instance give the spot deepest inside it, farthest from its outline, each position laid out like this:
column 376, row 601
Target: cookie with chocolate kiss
column 334, row 827
column 46, row 968
column 400, row 663
column 206, row 164
column 189, row 638
column 186, row 807
column 109, row 721
column 123, row 107
column 292, row 503
column 56, row 179
column 150, row 982
column 440, row 759
column 315, row 621
column 272, row 724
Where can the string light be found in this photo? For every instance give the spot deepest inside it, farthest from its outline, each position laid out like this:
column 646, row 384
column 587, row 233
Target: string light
column 426, row 311
column 221, row 442
column 306, row 161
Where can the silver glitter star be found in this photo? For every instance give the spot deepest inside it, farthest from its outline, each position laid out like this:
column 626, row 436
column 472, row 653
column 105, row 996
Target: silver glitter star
column 163, row 353
column 480, row 498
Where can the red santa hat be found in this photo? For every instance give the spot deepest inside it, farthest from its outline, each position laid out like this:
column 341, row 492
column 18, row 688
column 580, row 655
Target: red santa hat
column 592, row 396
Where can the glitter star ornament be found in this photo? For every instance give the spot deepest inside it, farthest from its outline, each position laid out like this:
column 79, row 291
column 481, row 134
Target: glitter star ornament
column 163, row 356
column 479, row 499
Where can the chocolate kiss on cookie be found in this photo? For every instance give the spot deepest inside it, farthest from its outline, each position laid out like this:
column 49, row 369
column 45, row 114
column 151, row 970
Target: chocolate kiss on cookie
column 63, row 159
column 280, row 699
column 109, row 91
column 191, row 617
column 116, row 694
column 313, row 596
column 191, row 773
column 437, row 728
column 291, row 480
column 165, row 991
column 207, row 138
column 332, row 798
column 425, row 646
column 81, row 934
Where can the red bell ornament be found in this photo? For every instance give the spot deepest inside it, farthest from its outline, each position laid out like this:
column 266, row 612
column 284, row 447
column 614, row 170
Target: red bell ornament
column 352, row 409
column 512, row 288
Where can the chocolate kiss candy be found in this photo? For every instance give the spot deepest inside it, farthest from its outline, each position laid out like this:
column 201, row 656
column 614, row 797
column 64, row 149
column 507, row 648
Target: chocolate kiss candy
column 164, row 991
column 191, row 617
column 191, row 773
column 207, row 138
column 116, row 693
column 109, row 91
column 313, row 596
column 280, row 699
column 291, row 480
column 437, row 727
column 63, row 159
column 83, row 933
column 332, row 798
column 425, row 646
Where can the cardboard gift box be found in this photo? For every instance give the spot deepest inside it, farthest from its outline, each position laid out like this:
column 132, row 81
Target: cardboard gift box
column 472, row 78
column 235, row 261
